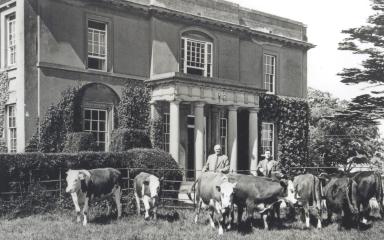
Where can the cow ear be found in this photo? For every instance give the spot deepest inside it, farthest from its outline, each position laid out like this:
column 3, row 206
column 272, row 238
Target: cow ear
column 146, row 182
column 284, row 183
column 218, row 188
column 81, row 176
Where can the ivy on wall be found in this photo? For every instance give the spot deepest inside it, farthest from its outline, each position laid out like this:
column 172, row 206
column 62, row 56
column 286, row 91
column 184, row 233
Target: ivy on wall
column 59, row 120
column 291, row 116
column 4, row 94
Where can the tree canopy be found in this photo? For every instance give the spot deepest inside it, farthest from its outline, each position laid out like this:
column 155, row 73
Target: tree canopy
column 366, row 40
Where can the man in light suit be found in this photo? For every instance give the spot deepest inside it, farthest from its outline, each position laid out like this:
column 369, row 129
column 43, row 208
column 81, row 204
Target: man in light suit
column 217, row 162
column 267, row 165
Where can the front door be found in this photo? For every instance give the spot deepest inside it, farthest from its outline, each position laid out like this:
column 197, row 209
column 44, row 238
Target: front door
column 191, row 148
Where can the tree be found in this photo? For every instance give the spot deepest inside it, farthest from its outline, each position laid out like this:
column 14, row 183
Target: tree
column 334, row 141
column 367, row 40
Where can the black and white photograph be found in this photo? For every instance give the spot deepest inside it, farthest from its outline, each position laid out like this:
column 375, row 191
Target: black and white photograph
column 191, row 119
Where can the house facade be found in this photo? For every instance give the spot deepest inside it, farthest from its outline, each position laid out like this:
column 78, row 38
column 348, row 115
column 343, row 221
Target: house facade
column 207, row 62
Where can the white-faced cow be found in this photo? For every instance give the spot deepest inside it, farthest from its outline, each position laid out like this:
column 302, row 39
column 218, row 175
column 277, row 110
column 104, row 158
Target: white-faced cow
column 214, row 190
column 305, row 191
column 147, row 188
column 259, row 194
column 84, row 185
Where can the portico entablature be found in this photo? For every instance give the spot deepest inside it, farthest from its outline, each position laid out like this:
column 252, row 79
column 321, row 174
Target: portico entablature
column 177, row 86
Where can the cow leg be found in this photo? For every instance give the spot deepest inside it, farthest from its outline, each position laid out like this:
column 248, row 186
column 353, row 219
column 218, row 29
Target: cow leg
column 265, row 220
column 147, row 206
column 85, row 211
column 306, row 214
column 211, row 212
column 154, row 209
column 198, row 209
column 137, row 204
column 365, row 212
column 117, row 198
column 77, row 206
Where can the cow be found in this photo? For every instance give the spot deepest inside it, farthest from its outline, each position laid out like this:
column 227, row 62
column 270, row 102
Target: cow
column 214, row 190
column 369, row 185
column 260, row 194
column 147, row 188
column 341, row 198
column 85, row 185
column 306, row 189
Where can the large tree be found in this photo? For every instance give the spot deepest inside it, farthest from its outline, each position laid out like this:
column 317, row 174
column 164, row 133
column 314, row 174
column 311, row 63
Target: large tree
column 367, row 40
column 333, row 140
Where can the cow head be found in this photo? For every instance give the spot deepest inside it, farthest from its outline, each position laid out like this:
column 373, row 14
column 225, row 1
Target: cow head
column 74, row 178
column 291, row 197
column 153, row 184
column 226, row 190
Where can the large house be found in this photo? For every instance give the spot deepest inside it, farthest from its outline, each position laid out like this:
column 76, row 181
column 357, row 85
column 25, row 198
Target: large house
column 207, row 62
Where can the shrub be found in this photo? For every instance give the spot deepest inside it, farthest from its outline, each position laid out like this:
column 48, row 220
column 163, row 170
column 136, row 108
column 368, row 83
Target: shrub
column 80, row 141
column 26, row 168
column 127, row 138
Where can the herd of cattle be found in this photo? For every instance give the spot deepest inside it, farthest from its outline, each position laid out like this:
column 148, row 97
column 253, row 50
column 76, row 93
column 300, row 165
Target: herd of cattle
column 350, row 196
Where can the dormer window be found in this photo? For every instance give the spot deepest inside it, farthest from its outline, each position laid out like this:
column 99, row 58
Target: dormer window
column 196, row 55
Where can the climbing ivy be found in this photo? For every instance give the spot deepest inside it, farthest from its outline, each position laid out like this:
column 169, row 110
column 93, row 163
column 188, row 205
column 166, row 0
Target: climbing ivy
column 4, row 94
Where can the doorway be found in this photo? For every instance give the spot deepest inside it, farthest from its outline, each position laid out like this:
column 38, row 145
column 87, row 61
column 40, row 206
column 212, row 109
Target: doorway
column 242, row 141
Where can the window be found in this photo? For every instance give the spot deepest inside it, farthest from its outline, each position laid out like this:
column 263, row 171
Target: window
column 11, row 112
column 196, row 57
column 97, row 45
column 11, row 39
column 95, row 121
column 269, row 73
column 267, row 138
column 223, row 132
column 166, row 132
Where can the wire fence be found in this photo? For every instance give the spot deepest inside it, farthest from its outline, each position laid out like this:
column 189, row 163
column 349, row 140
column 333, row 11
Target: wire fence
column 54, row 184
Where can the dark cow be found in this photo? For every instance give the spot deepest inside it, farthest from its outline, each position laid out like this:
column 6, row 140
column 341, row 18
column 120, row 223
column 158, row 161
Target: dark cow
column 341, row 198
column 369, row 185
column 84, row 185
column 307, row 194
column 259, row 194
column 214, row 190
column 147, row 188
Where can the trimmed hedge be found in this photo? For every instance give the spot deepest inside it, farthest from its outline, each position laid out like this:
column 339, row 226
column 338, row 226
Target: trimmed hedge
column 79, row 141
column 17, row 168
column 127, row 138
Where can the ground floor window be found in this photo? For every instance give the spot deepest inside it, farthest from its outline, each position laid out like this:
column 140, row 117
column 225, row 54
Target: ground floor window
column 95, row 121
column 166, row 135
column 267, row 137
column 223, row 133
column 11, row 119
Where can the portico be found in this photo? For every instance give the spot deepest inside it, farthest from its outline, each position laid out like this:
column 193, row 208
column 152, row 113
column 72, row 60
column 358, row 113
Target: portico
column 203, row 112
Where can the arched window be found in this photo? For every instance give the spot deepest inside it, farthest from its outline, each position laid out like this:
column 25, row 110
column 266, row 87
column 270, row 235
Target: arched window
column 196, row 53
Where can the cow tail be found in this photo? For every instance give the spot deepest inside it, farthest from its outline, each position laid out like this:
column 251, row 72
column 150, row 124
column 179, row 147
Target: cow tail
column 351, row 191
column 192, row 189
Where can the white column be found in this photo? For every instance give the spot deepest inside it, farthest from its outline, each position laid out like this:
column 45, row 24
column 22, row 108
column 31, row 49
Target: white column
column 20, row 77
column 154, row 111
column 253, row 139
column 199, row 137
column 232, row 137
column 174, row 129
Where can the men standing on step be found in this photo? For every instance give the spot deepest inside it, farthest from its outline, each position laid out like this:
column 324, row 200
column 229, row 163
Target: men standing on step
column 267, row 165
column 217, row 162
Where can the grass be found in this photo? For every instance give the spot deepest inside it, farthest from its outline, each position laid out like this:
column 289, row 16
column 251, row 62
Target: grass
column 170, row 225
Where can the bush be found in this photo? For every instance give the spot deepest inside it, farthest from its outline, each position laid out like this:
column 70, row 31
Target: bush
column 18, row 168
column 79, row 141
column 127, row 138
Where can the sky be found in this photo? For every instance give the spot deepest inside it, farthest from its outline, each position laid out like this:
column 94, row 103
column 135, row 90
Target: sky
column 325, row 20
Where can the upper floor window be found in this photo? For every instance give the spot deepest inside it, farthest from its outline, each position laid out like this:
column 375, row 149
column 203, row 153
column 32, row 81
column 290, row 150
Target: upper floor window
column 97, row 45
column 11, row 39
column 196, row 56
column 267, row 137
column 269, row 73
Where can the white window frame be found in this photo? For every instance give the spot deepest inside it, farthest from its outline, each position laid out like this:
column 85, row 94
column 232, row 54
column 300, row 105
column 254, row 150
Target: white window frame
column 11, row 128
column 105, row 121
column 11, row 39
column 94, row 48
column 268, row 137
column 223, row 126
column 166, row 131
column 270, row 72
column 198, row 62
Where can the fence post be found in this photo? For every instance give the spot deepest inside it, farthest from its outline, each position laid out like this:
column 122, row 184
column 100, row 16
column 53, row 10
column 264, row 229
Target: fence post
column 60, row 191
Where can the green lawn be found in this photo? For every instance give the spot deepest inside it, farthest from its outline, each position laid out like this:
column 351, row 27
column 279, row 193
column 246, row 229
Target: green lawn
column 62, row 226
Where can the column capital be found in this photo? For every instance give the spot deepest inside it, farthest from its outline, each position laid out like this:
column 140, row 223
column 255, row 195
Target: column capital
column 199, row 104
column 175, row 101
column 233, row 108
column 254, row 110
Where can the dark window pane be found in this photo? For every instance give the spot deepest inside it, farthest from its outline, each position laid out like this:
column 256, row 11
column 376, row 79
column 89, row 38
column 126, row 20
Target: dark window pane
column 102, row 137
column 95, row 63
column 195, row 71
column 94, row 125
column 87, row 114
column 102, row 126
column 95, row 115
column 96, row 25
column 102, row 115
column 87, row 125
